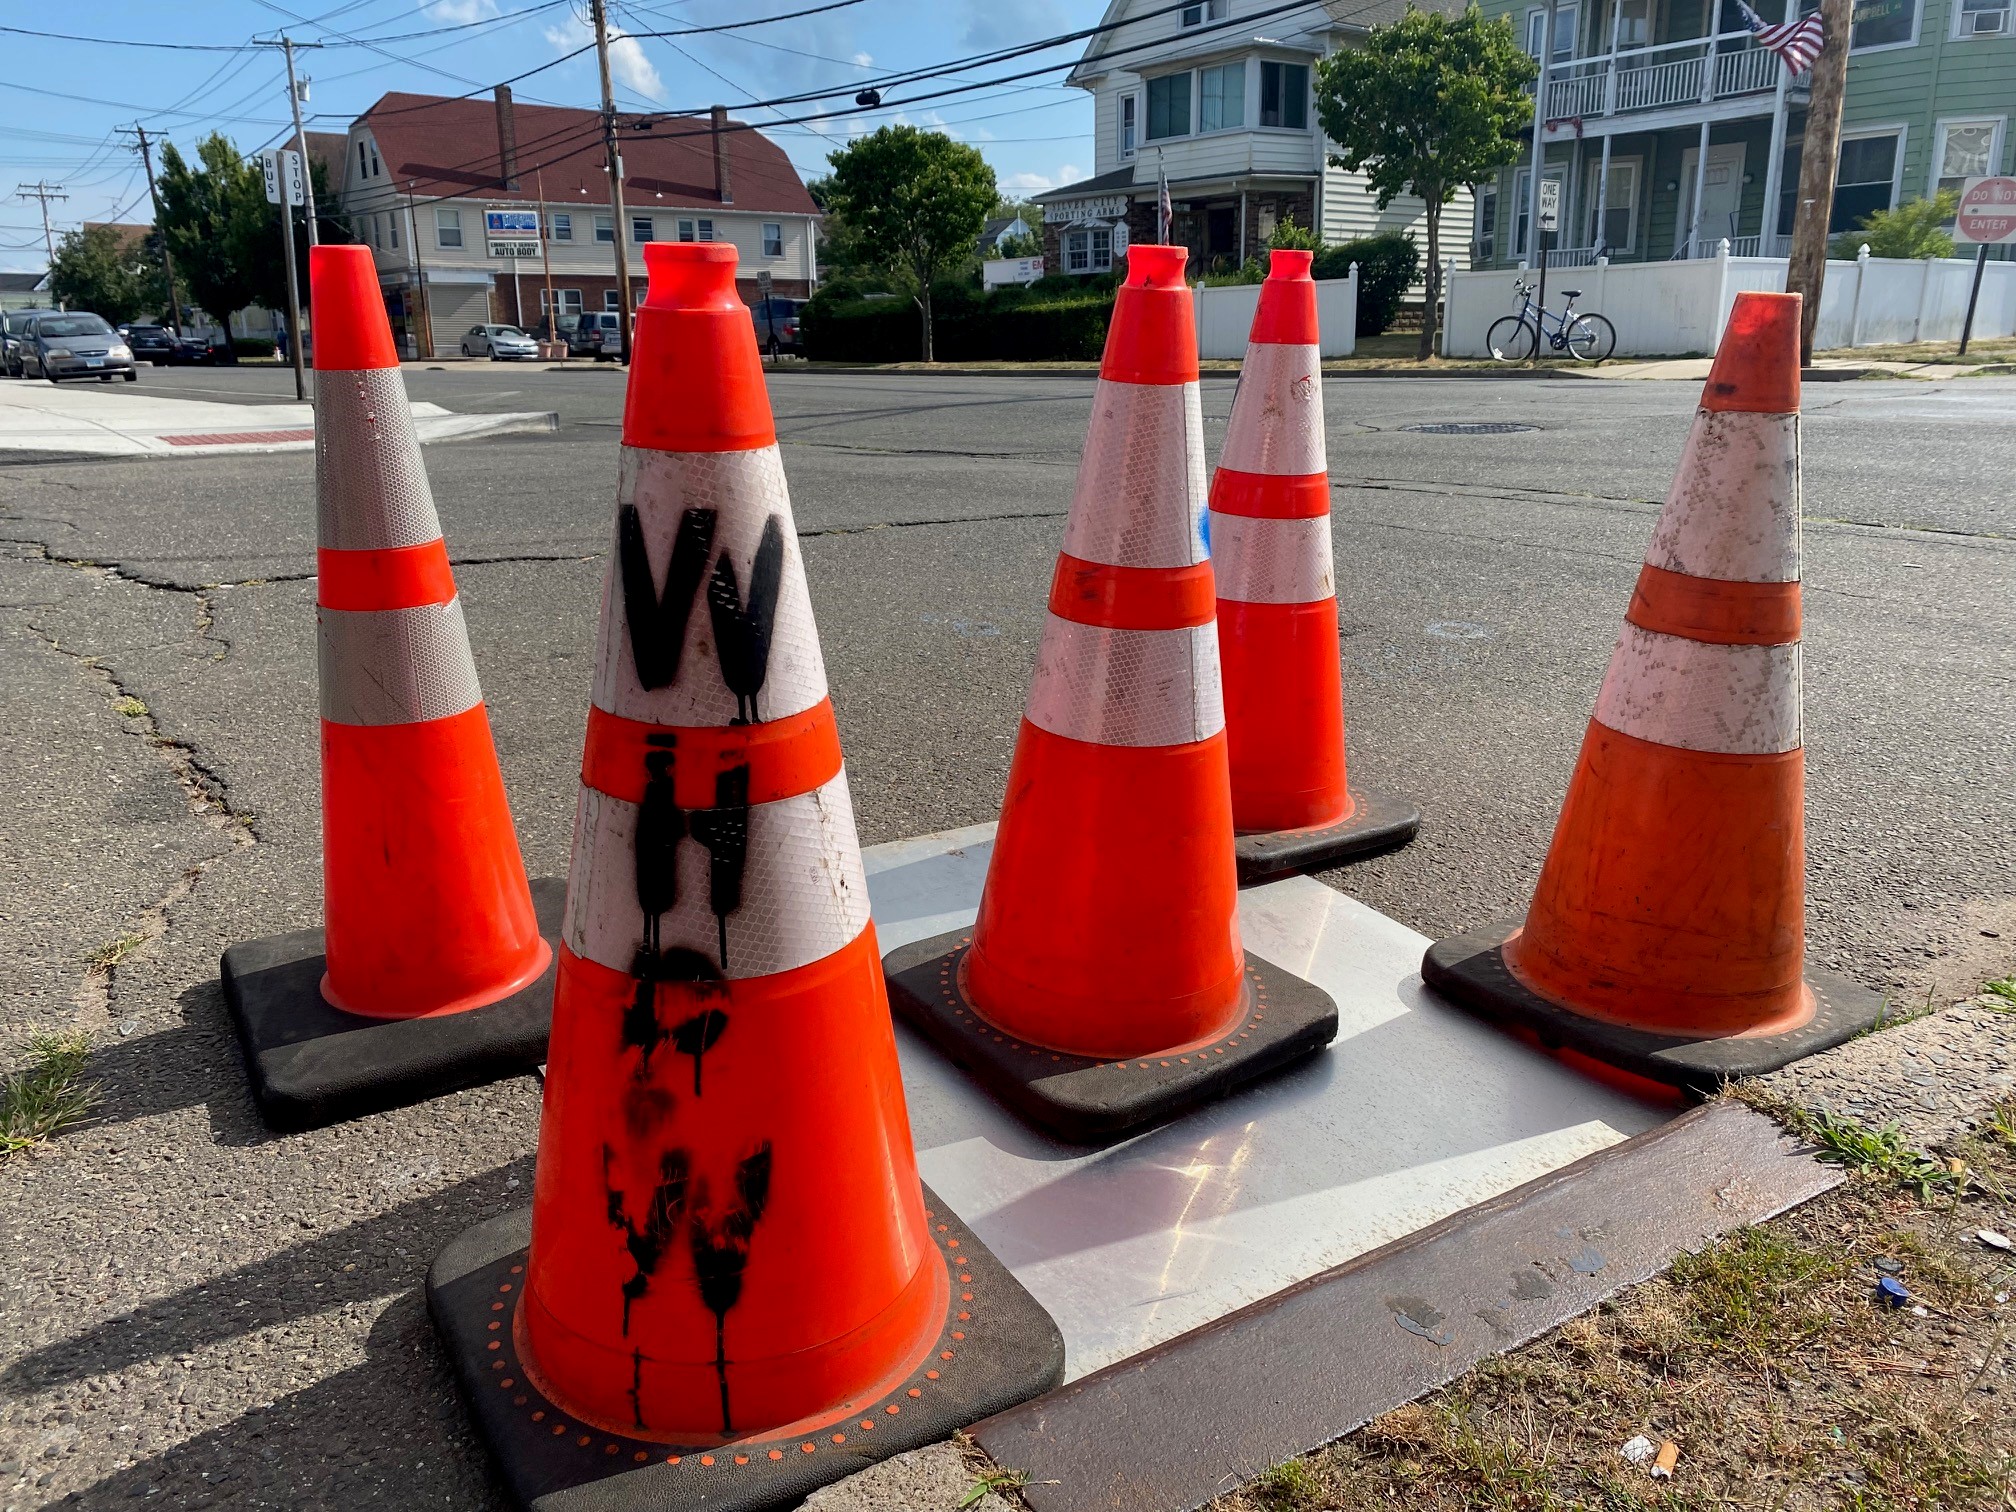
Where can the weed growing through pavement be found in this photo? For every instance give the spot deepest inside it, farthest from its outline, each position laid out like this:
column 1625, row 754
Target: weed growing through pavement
column 2003, row 994
column 112, row 952
column 1288, row 1487
column 992, row 1480
column 48, row 1094
column 1878, row 1152
column 132, row 708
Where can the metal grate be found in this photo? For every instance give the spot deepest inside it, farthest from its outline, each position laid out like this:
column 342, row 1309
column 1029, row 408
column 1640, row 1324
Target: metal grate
column 1469, row 428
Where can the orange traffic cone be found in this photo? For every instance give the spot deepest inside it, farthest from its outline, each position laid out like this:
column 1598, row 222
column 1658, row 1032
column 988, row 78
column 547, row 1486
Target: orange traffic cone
column 1292, row 806
column 1103, row 984
column 431, row 973
column 734, row 1278
column 1667, row 934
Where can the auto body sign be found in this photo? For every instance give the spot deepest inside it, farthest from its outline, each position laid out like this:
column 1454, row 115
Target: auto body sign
column 512, row 233
column 1987, row 212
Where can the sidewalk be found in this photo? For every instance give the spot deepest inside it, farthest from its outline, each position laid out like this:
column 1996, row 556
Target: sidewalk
column 107, row 422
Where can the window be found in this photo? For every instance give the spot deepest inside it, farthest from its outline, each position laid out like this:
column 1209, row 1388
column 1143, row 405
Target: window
column 1089, row 250
column 706, row 229
column 569, row 301
column 1564, row 31
column 1208, row 10
column 392, row 225
column 1129, row 104
column 696, row 230
column 1634, row 30
column 1484, row 228
column 605, row 229
column 1615, row 229
column 1883, row 23
column 1982, row 18
column 1866, row 178
column 1169, row 106
column 447, row 227
column 363, row 163
column 1221, row 97
column 560, row 227
column 640, row 229
column 1284, row 95
column 1967, row 149
column 612, row 299
column 773, row 239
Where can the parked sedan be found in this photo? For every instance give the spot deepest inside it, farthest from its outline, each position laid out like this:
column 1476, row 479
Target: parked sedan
column 500, row 343
column 150, row 343
column 14, row 328
column 78, row 345
column 203, row 349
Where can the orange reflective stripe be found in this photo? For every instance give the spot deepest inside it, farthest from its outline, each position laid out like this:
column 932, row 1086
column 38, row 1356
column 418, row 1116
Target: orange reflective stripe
column 1132, row 598
column 392, row 577
column 1716, row 610
column 1265, row 496
column 784, row 757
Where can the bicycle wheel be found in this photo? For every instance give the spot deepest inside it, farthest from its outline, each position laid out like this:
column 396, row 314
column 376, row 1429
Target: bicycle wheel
column 1591, row 338
column 1511, row 339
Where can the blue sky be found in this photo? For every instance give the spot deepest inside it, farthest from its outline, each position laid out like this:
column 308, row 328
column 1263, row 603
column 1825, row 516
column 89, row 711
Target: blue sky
column 1035, row 133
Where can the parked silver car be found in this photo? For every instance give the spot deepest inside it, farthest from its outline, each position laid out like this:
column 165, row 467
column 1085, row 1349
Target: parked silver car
column 76, row 345
column 14, row 328
column 500, row 342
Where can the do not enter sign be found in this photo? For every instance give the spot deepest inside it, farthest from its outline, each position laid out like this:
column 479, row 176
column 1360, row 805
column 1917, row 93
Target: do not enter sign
column 1987, row 213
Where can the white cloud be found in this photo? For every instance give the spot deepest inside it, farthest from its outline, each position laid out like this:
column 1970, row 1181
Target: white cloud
column 1026, row 183
column 864, row 60
column 459, row 12
column 627, row 63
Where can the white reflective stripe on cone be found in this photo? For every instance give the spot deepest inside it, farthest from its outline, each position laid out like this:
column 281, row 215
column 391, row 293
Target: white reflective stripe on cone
column 1741, row 700
column 395, row 666
column 1277, row 415
column 1264, row 561
column 742, row 491
column 1127, row 687
column 371, row 490
column 1734, row 509
column 803, row 892
column 1140, row 495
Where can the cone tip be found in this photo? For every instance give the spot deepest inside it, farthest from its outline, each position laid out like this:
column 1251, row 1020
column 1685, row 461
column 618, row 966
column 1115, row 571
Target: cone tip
column 346, row 311
column 1286, row 263
column 1757, row 364
column 1152, row 266
column 690, row 276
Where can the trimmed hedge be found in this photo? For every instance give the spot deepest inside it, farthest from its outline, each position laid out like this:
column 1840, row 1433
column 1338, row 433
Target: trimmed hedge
column 1387, row 265
column 1013, row 325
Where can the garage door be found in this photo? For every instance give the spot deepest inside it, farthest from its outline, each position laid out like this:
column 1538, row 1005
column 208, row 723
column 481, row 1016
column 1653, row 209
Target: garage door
column 456, row 307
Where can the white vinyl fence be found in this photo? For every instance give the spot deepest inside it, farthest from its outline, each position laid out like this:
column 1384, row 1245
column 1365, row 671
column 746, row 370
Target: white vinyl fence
column 1666, row 309
column 1225, row 316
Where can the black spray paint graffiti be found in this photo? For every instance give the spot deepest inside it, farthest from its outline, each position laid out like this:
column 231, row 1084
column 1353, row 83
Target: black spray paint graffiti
column 648, row 1241
column 721, row 1254
column 696, row 1037
column 658, row 625
column 742, row 632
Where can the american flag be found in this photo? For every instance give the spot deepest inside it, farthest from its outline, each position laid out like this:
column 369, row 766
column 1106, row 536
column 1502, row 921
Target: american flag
column 1797, row 43
column 1164, row 211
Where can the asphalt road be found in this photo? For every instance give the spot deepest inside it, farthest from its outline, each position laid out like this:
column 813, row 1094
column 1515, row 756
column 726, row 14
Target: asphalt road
column 197, row 1311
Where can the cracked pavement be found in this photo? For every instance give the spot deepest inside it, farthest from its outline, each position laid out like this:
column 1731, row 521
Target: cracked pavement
column 203, row 1313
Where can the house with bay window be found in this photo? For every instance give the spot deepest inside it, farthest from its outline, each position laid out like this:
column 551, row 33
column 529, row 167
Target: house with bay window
column 1217, row 99
column 1670, row 130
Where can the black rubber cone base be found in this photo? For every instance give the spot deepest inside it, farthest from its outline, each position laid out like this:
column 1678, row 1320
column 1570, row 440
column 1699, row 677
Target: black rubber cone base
column 311, row 1064
column 1470, row 970
column 1378, row 822
column 1087, row 1101
column 999, row 1347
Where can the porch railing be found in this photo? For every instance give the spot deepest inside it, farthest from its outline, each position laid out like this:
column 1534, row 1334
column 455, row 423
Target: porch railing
column 1661, row 77
column 1742, row 246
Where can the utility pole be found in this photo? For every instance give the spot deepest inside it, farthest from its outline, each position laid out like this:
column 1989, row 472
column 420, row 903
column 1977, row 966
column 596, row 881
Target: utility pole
column 294, row 95
column 167, row 257
column 1819, row 154
column 546, row 256
column 423, row 335
column 45, row 191
column 600, row 13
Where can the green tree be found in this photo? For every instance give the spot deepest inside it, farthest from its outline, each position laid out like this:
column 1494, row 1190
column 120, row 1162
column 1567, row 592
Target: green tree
column 1288, row 236
column 100, row 270
column 914, row 203
column 1427, row 106
column 225, row 236
column 1916, row 228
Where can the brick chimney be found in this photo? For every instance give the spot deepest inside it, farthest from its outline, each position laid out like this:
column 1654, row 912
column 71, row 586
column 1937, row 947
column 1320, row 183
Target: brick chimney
column 724, row 188
column 507, row 139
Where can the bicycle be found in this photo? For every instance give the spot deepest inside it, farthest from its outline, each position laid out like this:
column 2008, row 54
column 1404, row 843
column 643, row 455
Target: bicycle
column 1514, row 338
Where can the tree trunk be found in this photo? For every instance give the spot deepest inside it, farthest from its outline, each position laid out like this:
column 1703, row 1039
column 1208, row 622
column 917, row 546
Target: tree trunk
column 924, row 304
column 1819, row 152
column 1434, row 281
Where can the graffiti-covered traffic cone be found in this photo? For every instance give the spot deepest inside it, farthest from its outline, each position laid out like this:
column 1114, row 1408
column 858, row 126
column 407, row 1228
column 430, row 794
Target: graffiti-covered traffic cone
column 735, row 1288
column 1103, row 984
column 1292, row 806
column 431, row 972
column 1667, row 933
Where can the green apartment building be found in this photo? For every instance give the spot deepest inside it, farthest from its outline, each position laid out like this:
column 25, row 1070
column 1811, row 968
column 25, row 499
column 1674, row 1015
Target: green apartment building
column 1668, row 116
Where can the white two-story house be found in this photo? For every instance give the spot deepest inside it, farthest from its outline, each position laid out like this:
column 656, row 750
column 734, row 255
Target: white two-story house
column 421, row 173
column 1224, row 109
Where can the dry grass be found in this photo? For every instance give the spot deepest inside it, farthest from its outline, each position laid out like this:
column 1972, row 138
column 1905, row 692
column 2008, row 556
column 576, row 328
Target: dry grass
column 48, row 1093
column 1765, row 1358
column 1996, row 350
